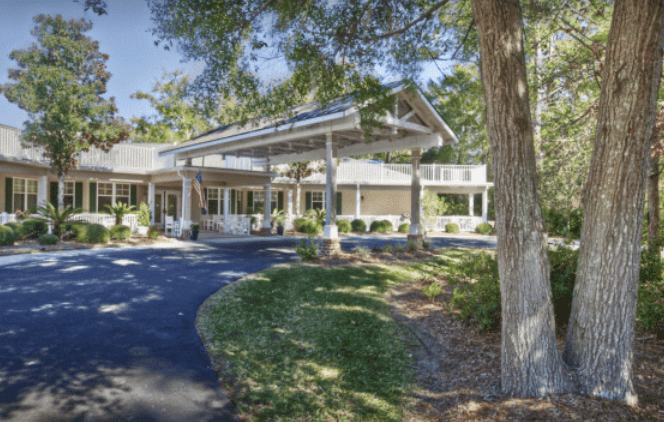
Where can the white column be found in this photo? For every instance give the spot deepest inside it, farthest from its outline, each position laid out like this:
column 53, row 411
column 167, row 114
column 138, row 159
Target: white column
column 358, row 199
column 290, row 203
column 267, row 209
column 227, row 207
column 330, row 230
column 42, row 191
column 415, row 193
column 186, row 201
column 151, row 195
column 471, row 204
column 485, row 205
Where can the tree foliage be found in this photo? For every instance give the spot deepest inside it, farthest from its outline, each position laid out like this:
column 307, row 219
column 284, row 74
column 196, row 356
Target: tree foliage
column 60, row 81
column 176, row 118
column 326, row 48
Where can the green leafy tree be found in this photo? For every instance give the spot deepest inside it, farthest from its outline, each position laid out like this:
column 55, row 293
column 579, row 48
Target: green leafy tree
column 432, row 207
column 299, row 171
column 60, row 82
column 176, row 117
column 330, row 49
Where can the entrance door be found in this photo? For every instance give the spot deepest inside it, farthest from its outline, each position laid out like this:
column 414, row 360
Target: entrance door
column 172, row 204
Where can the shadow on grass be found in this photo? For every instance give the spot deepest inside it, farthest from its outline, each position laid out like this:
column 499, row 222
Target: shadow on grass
column 307, row 341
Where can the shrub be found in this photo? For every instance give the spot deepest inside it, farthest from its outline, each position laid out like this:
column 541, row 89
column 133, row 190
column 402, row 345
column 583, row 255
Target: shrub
column 310, row 227
column 575, row 222
column 404, row 228
column 71, row 230
column 7, row 236
column 119, row 211
column 432, row 291
column 93, row 233
column 358, row 225
column 343, row 226
column 388, row 225
column 57, row 217
column 144, row 216
column 484, row 228
column 382, row 226
column 153, row 232
column 479, row 301
column 307, row 250
column 452, row 228
column 412, row 246
column 120, row 232
column 19, row 230
column 48, row 239
column 400, row 248
column 361, row 251
column 426, row 244
column 34, row 228
column 556, row 222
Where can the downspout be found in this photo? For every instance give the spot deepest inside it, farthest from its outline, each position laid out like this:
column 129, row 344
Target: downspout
column 179, row 171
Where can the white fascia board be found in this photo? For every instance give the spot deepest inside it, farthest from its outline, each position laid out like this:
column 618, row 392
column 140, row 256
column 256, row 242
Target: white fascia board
column 420, row 141
column 204, row 143
column 433, row 111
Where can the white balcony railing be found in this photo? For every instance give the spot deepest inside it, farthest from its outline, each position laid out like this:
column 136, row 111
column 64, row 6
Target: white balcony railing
column 357, row 172
column 142, row 158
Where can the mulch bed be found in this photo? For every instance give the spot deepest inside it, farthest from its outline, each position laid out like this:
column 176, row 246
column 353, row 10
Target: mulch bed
column 30, row 246
column 457, row 367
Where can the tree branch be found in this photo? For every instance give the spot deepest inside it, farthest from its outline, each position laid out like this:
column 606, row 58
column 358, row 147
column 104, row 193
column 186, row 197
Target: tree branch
column 422, row 17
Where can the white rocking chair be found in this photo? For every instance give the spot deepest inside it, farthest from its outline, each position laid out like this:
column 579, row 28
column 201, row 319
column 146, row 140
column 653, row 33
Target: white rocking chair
column 169, row 225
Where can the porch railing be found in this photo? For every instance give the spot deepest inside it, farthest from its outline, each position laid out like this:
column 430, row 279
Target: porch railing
column 357, row 172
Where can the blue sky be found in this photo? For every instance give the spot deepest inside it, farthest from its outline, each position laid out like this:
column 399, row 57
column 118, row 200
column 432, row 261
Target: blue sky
column 124, row 34
column 135, row 62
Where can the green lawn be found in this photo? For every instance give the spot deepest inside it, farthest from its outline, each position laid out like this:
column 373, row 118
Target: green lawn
column 306, row 342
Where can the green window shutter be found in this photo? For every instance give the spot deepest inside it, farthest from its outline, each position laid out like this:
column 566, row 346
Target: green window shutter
column 9, row 194
column 54, row 193
column 93, row 197
column 132, row 195
column 338, row 203
column 250, row 200
column 78, row 194
column 238, row 201
column 233, row 201
column 307, row 201
column 280, row 200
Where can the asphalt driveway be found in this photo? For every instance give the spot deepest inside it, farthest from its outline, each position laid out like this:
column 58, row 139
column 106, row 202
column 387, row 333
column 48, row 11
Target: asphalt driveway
column 109, row 335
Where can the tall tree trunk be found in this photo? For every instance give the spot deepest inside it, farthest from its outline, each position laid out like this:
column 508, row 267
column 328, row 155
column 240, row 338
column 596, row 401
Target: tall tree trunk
column 530, row 361
column 653, row 204
column 61, row 190
column 600, row 340
column 297, row 198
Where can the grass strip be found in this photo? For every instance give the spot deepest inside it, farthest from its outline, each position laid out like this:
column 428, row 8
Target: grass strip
column 310, row 343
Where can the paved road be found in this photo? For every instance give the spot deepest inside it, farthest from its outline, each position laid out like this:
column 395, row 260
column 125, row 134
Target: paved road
column 110, row 335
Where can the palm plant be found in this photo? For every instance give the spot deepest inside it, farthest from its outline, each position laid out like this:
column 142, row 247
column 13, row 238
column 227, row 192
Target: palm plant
column 316, row 214
column 119, row 210
column 277, row 217
column 57, row 217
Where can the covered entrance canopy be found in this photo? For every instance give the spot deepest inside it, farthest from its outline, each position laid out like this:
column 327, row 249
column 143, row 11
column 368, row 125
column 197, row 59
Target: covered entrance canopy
column 314, row 133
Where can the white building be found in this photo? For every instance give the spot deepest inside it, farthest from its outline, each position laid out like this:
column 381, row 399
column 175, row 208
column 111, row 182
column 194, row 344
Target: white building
column 234, row 163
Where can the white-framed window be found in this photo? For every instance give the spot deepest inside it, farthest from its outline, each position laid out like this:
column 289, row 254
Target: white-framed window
column 70, row 193
column 122, row 193
column 318, row 200
column 112, row 194
column 259, row 200
column 104, row 196
column 25, row 194
column 215, row 201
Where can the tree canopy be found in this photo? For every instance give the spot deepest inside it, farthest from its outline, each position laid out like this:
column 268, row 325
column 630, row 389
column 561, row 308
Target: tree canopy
column 60, row 81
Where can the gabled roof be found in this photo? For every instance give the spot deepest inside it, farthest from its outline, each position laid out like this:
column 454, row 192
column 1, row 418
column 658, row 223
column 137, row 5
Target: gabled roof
column 276, row 136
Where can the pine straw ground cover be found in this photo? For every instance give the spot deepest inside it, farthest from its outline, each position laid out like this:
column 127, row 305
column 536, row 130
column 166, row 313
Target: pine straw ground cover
column 320, row 342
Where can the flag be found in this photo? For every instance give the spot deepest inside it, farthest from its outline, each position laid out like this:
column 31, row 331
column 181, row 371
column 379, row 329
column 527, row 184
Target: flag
column 198, row 187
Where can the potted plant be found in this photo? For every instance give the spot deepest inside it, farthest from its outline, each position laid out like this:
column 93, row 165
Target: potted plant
column 143, row 218
column 278, row 218
column 193, row 235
